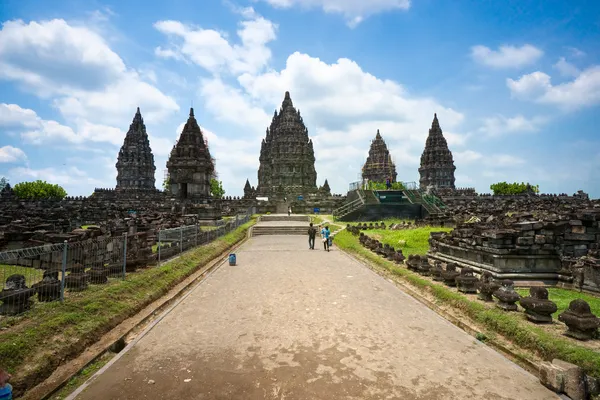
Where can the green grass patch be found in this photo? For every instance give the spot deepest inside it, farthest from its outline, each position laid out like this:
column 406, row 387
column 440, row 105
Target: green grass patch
column 562, row 298
column 512, row 326
column 33, row 344
column 89, row 226
column 31, row 275
column 416, row 239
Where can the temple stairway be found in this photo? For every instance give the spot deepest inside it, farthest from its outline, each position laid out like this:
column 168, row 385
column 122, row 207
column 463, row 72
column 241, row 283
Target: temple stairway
column 281, row 224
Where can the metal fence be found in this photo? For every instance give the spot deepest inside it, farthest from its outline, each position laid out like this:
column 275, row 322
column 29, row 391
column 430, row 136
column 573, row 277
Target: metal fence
column 174, row 241
column 51, row 270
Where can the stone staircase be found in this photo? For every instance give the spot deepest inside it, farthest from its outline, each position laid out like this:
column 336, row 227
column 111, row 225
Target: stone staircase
column 258, row 230
column 284, row 217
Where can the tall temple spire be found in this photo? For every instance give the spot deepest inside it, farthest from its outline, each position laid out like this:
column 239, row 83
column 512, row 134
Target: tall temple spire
column 379, row 166
column 287, row 159
column 437, row 165
column 135, row 162
column 190, row 164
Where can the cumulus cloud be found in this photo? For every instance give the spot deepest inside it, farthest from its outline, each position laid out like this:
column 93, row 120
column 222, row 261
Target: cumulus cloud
column 583, row 91
column 354, row 11
column 212, row 51
column 566, row 68
column 506, row 56
column 10, row 154
column 76, row 68
column 499, row 125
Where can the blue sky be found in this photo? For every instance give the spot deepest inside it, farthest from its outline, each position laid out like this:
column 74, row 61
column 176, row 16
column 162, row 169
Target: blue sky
column 515, row 85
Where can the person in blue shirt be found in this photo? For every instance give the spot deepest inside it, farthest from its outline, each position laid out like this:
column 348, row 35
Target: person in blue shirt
column 5, row 387
column 325, row 233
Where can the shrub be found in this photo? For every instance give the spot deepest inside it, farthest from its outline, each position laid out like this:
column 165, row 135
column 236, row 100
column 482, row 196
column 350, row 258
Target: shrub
column 513, row 188
column 39, row 190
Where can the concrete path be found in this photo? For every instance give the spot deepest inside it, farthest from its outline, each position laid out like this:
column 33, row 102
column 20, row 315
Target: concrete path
column 291, row 323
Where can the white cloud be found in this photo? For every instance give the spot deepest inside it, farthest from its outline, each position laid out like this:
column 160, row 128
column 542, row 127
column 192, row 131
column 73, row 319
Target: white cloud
column 566, row 68
column 10, row 154
column 498, row 125
column 69, row 177
column 491, row 160
column 506, row 56
column 575, row 52
column 583, row 91
column 354, row 11
column 211, row 50
column 36, row 130
column 75, row 67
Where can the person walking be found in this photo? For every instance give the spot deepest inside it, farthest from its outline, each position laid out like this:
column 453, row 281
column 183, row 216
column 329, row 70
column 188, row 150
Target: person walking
column 312, row 233
column 325, row 232
column 5, row 387
column 289, row 211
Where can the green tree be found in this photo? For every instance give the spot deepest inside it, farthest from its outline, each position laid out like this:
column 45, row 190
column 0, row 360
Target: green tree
column 504, row 188
column 3, row 182
column 216, row 188
column 39, row 190
column 166, row 183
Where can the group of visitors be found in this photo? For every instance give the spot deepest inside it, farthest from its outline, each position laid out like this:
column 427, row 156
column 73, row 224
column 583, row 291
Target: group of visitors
column 325, row 237
column 5, row 387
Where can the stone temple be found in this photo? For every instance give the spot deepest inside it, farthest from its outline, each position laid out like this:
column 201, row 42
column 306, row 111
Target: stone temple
column 379, row 165
column 135, row 162
column 190, row 165
column 437, row 166
column 287, row 158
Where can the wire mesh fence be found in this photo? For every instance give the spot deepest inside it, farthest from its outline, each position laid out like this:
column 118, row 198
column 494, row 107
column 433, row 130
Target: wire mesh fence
column 52, row 271
column 174, row 241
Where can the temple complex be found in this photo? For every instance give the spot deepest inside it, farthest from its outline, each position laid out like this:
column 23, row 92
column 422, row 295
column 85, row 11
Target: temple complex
column 287, row 159
column 379, row 165
column 437, row 166
column 190, row 165
column 135, row 162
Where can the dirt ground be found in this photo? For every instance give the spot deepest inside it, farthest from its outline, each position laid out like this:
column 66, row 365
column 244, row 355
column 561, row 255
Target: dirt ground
column 292, row 323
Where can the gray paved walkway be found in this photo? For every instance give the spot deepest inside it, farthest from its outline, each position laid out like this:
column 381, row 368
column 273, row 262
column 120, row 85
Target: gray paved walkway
column 290, row 323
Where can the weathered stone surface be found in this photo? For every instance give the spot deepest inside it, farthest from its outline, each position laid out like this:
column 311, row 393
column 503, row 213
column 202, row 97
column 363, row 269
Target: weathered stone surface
column 538, row 308
column 379, row 166
column 581, row 323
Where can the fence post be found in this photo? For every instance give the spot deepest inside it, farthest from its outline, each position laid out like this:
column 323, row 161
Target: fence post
column 159, row 248
column 124, row 254
column 64, row 272
column 196, row 236
column 181, row 240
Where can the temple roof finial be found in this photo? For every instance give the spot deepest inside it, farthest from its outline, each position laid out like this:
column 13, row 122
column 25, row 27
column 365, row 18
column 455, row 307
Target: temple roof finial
column 191, row 111
column 287, row 101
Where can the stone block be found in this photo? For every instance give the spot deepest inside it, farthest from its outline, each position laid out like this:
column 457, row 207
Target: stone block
column 552, row 377
column 528, row 233
column 578, row 229
column 575, row 222
column 525, row 241
column 540, row 239
column 574, row 380
column 580, row 236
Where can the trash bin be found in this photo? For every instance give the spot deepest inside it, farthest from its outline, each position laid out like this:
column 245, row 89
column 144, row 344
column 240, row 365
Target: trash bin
column 232, row 259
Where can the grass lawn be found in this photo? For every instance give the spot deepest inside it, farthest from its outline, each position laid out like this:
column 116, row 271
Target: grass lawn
column 512, row 326
column 562, row 298
column 31, row 275
column 34, row 344
column 416, row 239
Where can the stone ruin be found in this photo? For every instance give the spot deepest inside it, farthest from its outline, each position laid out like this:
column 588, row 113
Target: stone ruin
column 554, row 240
column 379, row 165
column 437, row 165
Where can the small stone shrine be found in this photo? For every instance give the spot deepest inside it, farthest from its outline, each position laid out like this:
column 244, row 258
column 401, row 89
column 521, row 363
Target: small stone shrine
column 538, row 308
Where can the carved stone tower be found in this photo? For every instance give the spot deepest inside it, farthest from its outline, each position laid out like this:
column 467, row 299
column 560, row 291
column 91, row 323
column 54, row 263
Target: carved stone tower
column 249, row 191
column 379, row 165
column 190, row 165
column 135, row 162
column 437, row 166
column 287, row 159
